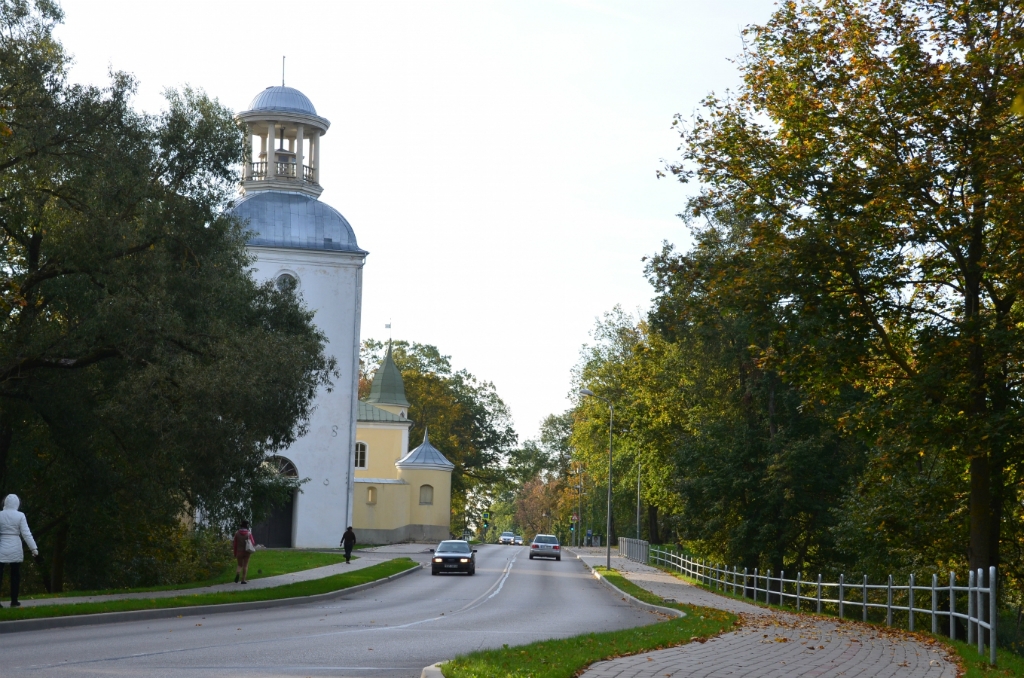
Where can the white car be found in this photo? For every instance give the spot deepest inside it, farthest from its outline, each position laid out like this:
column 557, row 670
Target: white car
column 506, row 538
column 545, row 546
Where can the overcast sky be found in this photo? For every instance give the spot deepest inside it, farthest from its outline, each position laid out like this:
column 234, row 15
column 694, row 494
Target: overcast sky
column 496, row 159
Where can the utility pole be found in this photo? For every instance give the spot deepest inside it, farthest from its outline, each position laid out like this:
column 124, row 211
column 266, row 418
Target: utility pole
column 639, row 467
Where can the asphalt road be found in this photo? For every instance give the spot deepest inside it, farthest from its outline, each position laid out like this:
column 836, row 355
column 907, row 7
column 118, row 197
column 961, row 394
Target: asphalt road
column 392, row 630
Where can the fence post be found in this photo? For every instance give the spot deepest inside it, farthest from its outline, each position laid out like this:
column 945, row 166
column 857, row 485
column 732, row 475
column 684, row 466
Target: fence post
column 970, row 607
column 910, row 592
column 744, row 582
column 768, row 588
column 842, row 582
column 782, row 586
column 935, row 605
column 952, row 605
column 798, row 575
column 889, row 601
column 992, row 614
column 864, row 611
column 819, row 593
column 755, row 584
column 978, row 611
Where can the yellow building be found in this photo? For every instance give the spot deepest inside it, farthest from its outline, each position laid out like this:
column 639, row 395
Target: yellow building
column 399, row 495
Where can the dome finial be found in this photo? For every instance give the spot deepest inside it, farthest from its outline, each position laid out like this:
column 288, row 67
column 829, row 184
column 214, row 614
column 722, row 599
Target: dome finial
column 282, row 70
column 426, row 435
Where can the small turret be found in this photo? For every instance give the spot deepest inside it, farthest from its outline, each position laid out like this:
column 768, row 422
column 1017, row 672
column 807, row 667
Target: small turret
column 388, row 390
column 425, row 457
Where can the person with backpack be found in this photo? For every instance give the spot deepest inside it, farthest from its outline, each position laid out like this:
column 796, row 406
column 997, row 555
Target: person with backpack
column 244, row 545
column 348, row 540
column 14, row 529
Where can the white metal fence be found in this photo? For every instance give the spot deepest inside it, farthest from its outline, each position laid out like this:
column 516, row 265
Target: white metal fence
column 979, row 617
column 635, row 549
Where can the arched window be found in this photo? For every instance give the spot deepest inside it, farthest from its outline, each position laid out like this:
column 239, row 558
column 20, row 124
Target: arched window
column 371, row 495
column 426, row 494
column 360, row 455
column 283, row 467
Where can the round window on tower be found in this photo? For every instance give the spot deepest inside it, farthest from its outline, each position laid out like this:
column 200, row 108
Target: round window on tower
column 286, row 282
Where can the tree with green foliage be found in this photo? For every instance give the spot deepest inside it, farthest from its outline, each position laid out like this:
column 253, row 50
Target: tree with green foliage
column 874, row 161
column 144, row 375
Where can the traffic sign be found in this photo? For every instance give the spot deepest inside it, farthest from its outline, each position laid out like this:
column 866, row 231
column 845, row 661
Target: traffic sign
column 575, row 518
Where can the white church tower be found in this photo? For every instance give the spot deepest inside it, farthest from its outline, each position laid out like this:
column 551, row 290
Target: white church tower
column 302, row 242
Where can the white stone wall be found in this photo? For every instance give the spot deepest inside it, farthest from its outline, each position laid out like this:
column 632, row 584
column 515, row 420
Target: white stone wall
column 330, row 283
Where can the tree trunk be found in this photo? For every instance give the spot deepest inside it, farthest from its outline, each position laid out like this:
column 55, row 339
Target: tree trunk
column 60, row 543
column 653, row 535
column 6, row 437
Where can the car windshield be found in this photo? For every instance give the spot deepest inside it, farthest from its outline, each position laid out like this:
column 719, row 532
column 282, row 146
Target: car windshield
column 453, row 547
column 545, row 539
column 506, row 534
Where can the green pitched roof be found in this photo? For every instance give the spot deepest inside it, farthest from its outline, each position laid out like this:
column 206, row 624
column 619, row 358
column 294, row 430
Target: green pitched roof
column 368, row 412
column 387, row 387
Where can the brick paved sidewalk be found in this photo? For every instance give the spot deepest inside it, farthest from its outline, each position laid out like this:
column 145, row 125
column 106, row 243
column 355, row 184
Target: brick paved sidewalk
column 770, row 644
column 364, row 558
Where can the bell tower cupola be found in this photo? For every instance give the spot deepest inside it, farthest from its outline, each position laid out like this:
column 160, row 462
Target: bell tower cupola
column 283, row 133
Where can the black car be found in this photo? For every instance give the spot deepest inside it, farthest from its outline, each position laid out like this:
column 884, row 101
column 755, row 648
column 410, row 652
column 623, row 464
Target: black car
column 453, row 555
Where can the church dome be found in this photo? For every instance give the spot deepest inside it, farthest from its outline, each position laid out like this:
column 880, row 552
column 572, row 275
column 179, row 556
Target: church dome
column 280, row 98
column 294, row 221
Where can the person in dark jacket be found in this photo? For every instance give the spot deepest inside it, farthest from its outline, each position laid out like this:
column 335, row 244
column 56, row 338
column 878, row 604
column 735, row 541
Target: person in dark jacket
column 238, row 544
column 348, row 540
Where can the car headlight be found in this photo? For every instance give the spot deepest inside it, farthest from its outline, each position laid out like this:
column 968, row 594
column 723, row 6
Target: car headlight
column 463, row 560
column 437, row 560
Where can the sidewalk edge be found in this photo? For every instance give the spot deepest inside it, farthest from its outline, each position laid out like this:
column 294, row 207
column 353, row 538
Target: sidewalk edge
column 432, row 671
column 636, row 602
column 43, row 623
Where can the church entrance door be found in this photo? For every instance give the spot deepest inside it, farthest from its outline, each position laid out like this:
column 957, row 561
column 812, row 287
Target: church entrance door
column 276, row 531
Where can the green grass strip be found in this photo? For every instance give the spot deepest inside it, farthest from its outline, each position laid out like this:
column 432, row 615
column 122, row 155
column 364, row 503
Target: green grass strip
column 263, row 563
column 304, row 588
column 565, row 658
column 620, row 582
column 976, row 665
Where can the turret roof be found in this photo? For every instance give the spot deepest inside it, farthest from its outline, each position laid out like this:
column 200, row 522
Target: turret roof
column 426, row 456
column 387, row 387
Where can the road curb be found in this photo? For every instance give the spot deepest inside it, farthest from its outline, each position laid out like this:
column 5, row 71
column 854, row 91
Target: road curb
column 432, row 671
column 636, row 602
column 43, row 623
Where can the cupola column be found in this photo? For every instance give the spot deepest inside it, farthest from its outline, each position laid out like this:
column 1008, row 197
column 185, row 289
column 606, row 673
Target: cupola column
column 247, row 169
column 300, row 173
column 316, row 158
column 271, row 155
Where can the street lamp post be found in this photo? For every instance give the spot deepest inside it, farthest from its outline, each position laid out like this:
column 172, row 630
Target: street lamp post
column 608, row 526
column 639, row 468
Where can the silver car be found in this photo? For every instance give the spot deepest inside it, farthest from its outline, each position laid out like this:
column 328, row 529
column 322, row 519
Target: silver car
column 506, row 538
column 545, row 546
column 517, row 541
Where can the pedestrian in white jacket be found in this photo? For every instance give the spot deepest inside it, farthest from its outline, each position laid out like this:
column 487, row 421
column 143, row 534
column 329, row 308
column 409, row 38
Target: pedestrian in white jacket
column 14, row 528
